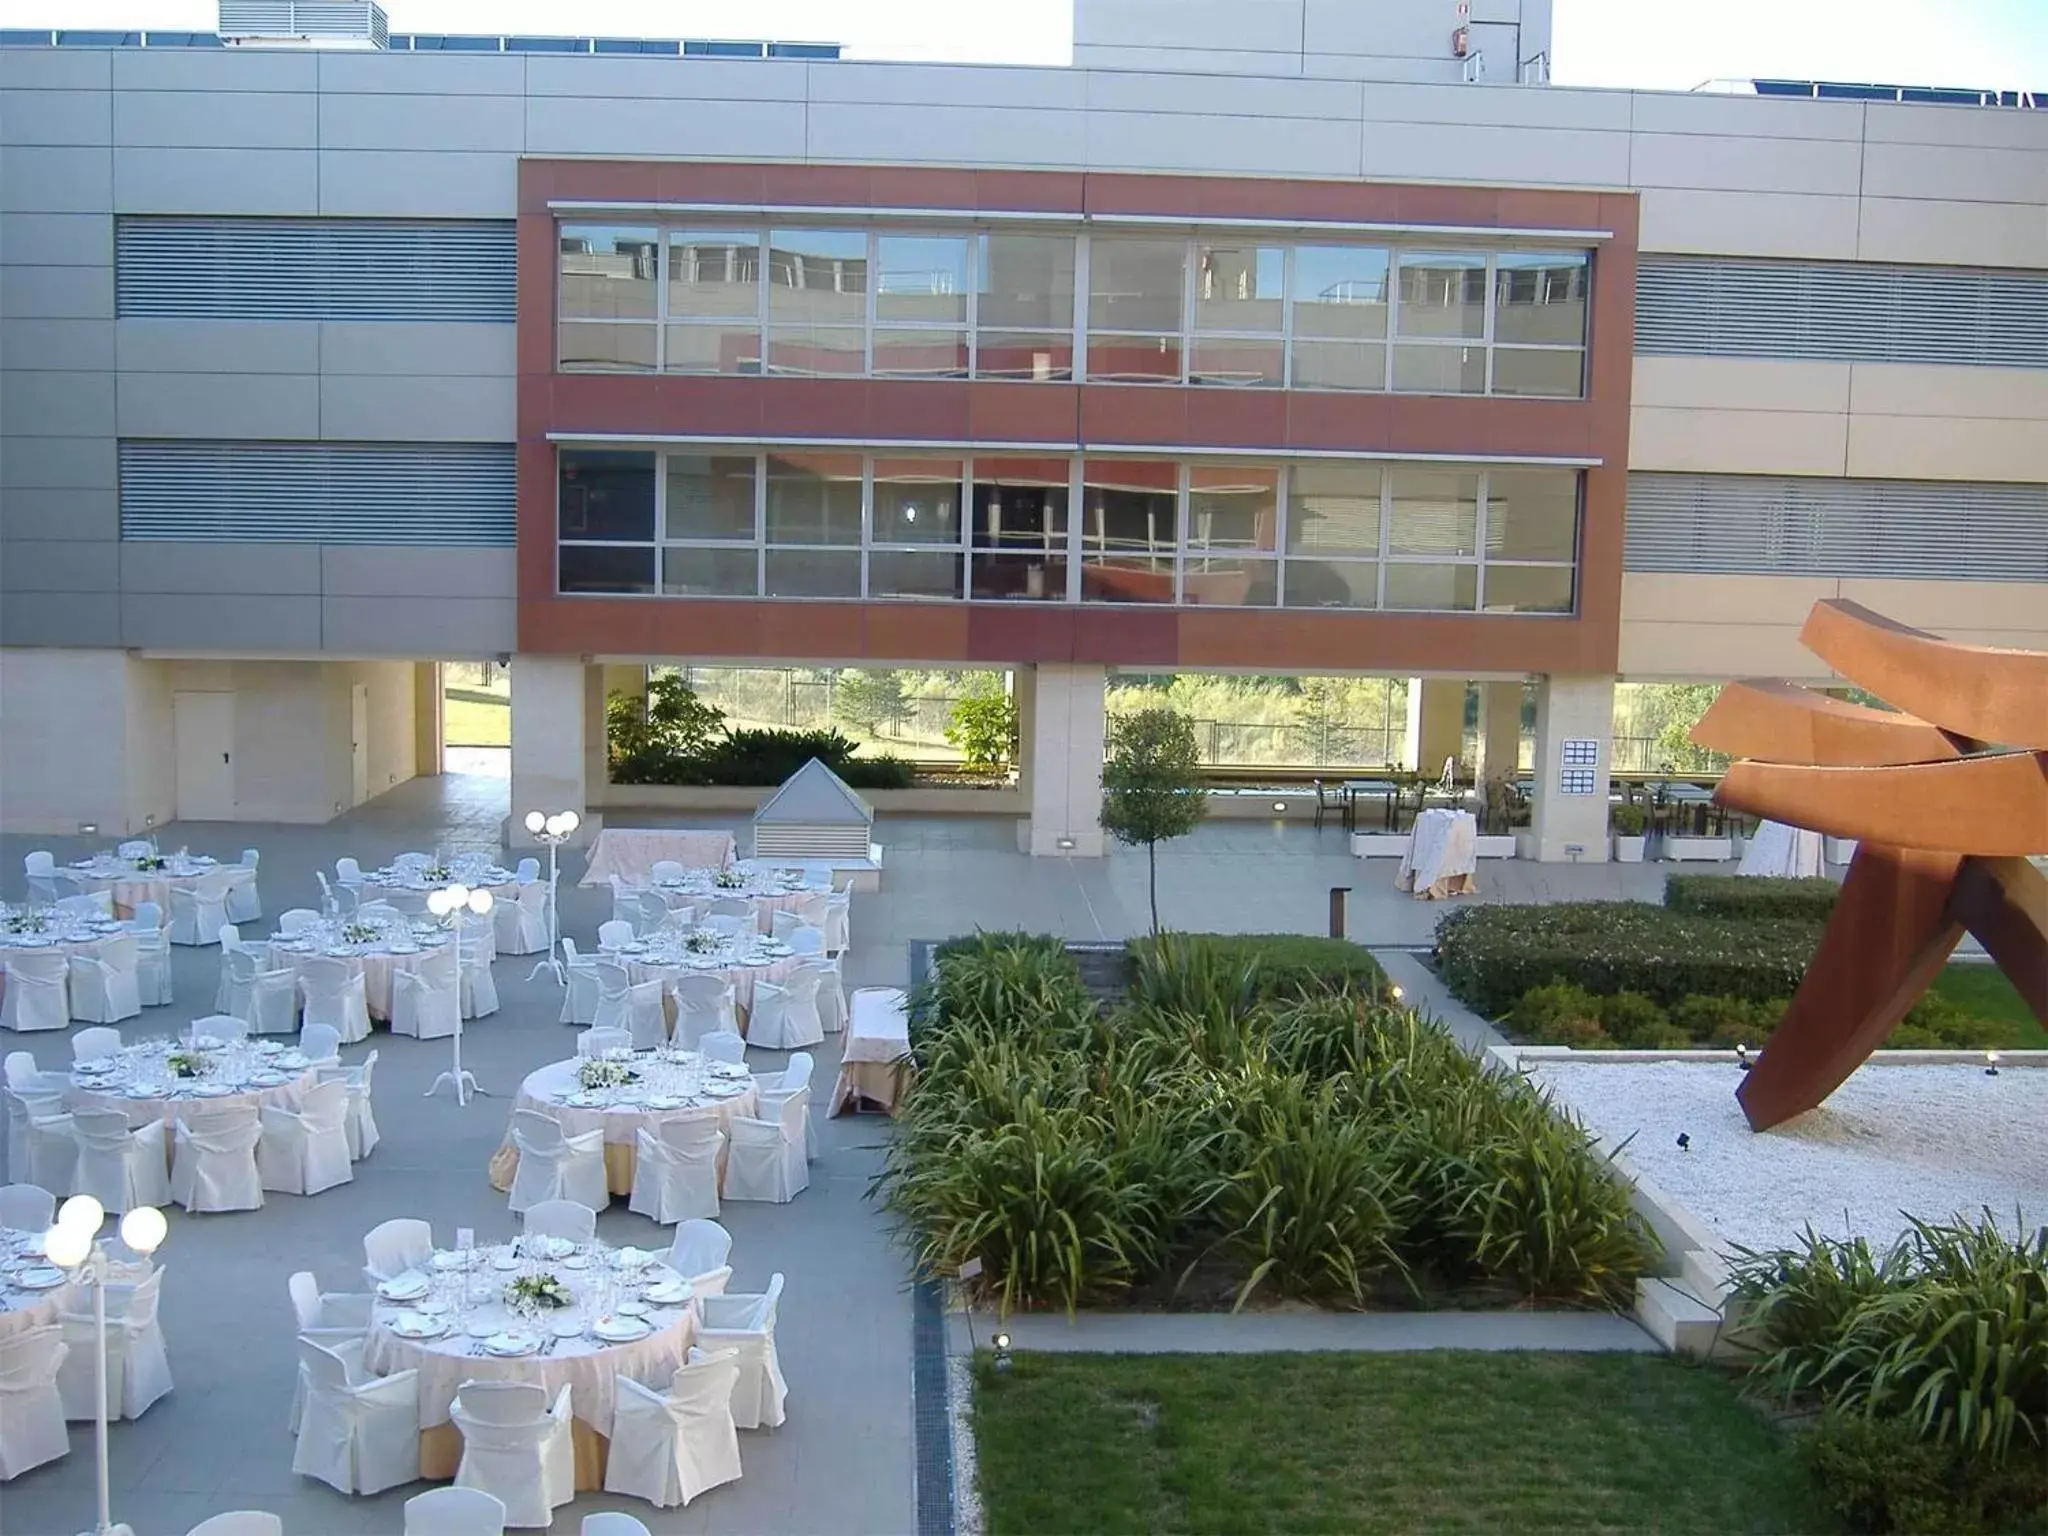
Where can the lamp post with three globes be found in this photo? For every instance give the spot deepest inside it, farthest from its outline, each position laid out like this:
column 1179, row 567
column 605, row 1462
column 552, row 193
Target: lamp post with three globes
column 553, row 830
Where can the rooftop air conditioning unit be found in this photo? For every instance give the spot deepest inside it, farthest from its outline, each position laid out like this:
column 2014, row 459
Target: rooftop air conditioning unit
column 303, row 24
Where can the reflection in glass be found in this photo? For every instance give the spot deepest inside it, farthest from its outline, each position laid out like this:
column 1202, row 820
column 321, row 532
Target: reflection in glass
column 926, row 573
column 1557, row 374
column 1212, row 581
column 812, row 573
column 1339, row 364
column 712, row 348
column 1532, row 514
column 921, row 354
column 1021, row 505
column 1332, row 583
column 607, row 272
column 709, row 497
column 1440, row 370
column 1027, row 283
column 1134, row 359
column 606, row 567
column 1037, row 355
column 714, row 275
column 818, row 275
column 1233, row 506
column 1340, row 291
column 921, row 279
column 917, row 501
column 596, row 347
column 1449, row 588
column 1540, row 297
column 1116, row 579
column 1334, row 508
column 1443, row 293
column 1432, row 512
column 1528, row 588
column 814, row 498
column 1236, row 360
column 1135, row 285
column 1238, row 287
column 1128, row 504
column 699, row 572
column 1008, row 577
column 815, row 350
column 606, row 496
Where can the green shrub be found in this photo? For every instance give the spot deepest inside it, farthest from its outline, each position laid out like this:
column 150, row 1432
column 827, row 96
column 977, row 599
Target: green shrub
column 1628, row 820
column 1289, row 965
column 1490, row 956
column 1751, row 896
column 769, row 757
column 1557, row 1014
column 1725, row 1022
column 1882, row 1476
column 1937, row 1024
column 1634, row 1022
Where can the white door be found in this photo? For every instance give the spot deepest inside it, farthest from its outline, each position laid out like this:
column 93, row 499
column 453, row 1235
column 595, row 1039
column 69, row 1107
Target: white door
column 204, row 727
column 358, row 743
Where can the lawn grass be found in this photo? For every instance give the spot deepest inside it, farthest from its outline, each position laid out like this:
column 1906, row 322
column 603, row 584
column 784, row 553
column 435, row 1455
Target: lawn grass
column 1985, row 993
column 469, row 718
column 1234, row 1445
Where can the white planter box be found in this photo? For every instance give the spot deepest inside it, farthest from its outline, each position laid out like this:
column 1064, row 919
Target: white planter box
column 1525, row 845
column 1711, row 850
column 1629, row 850
column 1502, row 847
column 1838, row 850
column 1379, row 845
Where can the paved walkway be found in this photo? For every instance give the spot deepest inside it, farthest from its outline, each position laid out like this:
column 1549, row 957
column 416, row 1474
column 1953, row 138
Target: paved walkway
column 1300, row 1332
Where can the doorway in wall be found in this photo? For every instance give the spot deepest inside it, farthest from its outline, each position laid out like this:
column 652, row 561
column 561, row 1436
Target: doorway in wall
column 358, row 743
column 203, row 727
column 476, row 718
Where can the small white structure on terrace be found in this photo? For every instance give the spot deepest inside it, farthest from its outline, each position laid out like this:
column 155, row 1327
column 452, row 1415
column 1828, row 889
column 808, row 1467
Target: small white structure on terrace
column 816, row 818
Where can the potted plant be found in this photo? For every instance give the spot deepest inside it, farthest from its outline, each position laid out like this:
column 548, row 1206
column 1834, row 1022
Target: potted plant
column 1629, row 822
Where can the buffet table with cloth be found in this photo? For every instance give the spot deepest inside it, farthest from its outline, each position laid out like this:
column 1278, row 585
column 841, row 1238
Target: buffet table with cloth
column 766, row 891
column 1785, row 852
column 376, row 959
column 32, row 1290
column 876, row 1067
column 32, row 933
column 141, row 1081
column 130, row 886
column 664, row 957
column 632, row 852
column 628, row 1315
column 671, row 1085
column 1442, row 856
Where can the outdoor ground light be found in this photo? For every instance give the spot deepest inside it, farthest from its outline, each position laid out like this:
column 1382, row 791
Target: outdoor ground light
column 1002, row 1344
column 1991, row 1063
column 1395, row 993
column 1742, row 1056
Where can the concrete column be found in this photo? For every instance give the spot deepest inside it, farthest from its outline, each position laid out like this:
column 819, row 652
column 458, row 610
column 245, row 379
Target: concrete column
column 1572, row 815
column 550, row 732
column 428, row 737
column 629, row 680
column 1436, row 724
column 1061, row 718
column 1500, row 731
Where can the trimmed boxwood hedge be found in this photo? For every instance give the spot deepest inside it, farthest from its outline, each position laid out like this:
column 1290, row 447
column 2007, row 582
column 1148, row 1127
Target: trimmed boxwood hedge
column 1490, row 956
column 1752, row 897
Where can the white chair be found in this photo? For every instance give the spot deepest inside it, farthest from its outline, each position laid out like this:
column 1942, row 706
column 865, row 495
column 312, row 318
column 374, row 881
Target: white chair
column 528, row 871
column 27, row 1207
column 362, row 1120
column 426, row 1002
column 226, row 999
column 669, row 1448
column 266, row 1001
column 725, row 925
column 668, row 872
column 393, row 1247
column 579, row 1006
column 320, row 1043
column 41, row 869
column 613, row 1522
column 152, row 954
column 31, row 1412
column 616, row 934
column 703, row 1004
column 133, row 848
column 571, row 1219
column 412, row 861
column 785, row 1015
column 304, row 1153
column 359, row 1433
column 118, row 1167
column 747, row 1324
column 297, row 920
column 244, row 904
column 381, row 914
column 39, row 1146
column 522, row 922
column 455, row 1512
column 239, row 1522
column 338, row 901
column 332, row 993
column 198, row 910
column 675, row 1170
column 87, row 906
column 793, row 1078
column 809, row 912
column 595, row 1041
column 517, row 1448
column 617, row 1005
column 553, row 1166
column 831, row 993
column 766, row 1160
column 224, row 1027
column 650, row 913
column 477, row 991
column 804, row 940
column 839, row 922
column 699, row 1253
column 213, row 1163
column 348, row 872
column 736, row 907
column 38, row 991
column 138, row 1371
column 331, row 1318
column 724, row 1045
column 92, row 1044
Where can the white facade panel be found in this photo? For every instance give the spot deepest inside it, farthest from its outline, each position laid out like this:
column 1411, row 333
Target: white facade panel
column 43, row 179
column 1148, row 141
column 948, row 135
column 423, row 74
column 403, row 348
column 950, row 85
column 41, row 513
column 1247, row 25
column 53, row 117
column 1763, row 117
column 1719, row 163
column 246, row 181
column 57, row 565
column 1887, row 123
column 1891, row 389
column 218, row 346
column 399, row 183
column 587, row 125
column 1943, row 172
column 416, row 409
column 667, row 79
column 447, row 627
column 57, row 463
column 55, row 69
column 219, row 405
column 209, row 71
column 1526, row 156
column 63, row 345
column 413, row 571
column 1202, row 95
column 224, row 120
column 1744, row 384
column 1964, row 234
column 242, row 570
column 1749, row 224
column 57, row 239
column 388, row 121
column 67, row 404
column 57, row 293
column 1503, row 106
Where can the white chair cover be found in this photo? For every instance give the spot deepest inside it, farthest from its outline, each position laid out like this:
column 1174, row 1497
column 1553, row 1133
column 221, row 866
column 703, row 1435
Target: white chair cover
column 213, row 1167
column 795, row 1077
column 27, row 1207
column 723, row 923
column 785, row 1016
column 580, row 1005
column 38, row 991
column 767, row 1158
column 426, row 1002
column 41, row 869
column 39, row 1131
column 138, row 1370
column 359, row 1433
column 516, row 1447
column 199, row 909
column 304, row 1153
column 244, row 904
column 831, row 993
column 31, row 1411
column 92, row 1044
column 332, row 1318
column 362, row 1121
column 320, row 1043
column 240, row 1522
column 104, row 986
column 522, row 922
column 118, row 1167
column 88, row 904
column 348, row 871
column 839, row 922
column 596, row 1040
column 699, row 1255
column 267, row 1001
column 556, row 1167
column 455, row 1512
column 668, row 1449
column 675, row 1173
column 152, row 954
column 561, row 1218
column 616, row 934
column 666, row 870
column 224, row 1027
column 724, row 1045
column 747, row 1324
column 703, row 1004
column 334, row 994
column 393, row 1247
column 478, row 991
column 296, row 920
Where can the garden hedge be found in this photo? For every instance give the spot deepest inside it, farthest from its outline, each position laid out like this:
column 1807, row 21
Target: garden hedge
column 1290, row 965
column 1749, row 896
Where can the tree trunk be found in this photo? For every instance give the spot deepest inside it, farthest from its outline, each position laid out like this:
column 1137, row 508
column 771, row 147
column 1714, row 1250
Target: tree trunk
column 1152, row 880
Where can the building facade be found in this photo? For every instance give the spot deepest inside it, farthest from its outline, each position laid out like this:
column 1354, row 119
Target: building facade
column 324, row 366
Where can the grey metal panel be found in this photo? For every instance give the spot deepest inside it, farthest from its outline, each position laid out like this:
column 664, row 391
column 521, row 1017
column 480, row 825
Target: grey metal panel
column 318, row 493
column 37, row 179
column 216, row 181
column 761, row 130
column 418, row 571
column 1871, row 312
column 57, row 463
column 53, row 117
column 60, row 344
column 403, row 183
column 262, row 569
column 60, row 618
column 55, row 69
column 951, row 85
column 417, row 347
column 56, row 404
column 857, row 131
column 1798, row 526
column 57, row 239
column 202, row 622
column 420, row 626
column 57, row 293
column 205, row 70
column 423, row 74
column 672, row 79
column 425, row 409
column 57, row 565
column 219, row 405
column 215, row 120
column 422, row 122
column 62, row 514
column 218, row 346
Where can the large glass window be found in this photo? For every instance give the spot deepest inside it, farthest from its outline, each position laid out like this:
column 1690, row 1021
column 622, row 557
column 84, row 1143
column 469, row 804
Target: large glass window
column 606, row 284
column 814, row 498
column 604, row 508
column 709, row 497
column 1240, row 304
column 714, row 301
column 1129, row 513
column 923, row 295
column 1333, row 535
column 917, row 530
column 1024, row 310
column 1532, row 514
column 1233, row 535
column 1135, row 294
column 1432, row 538
column 817, row 301
column 1340, row 317
column 1018, row 537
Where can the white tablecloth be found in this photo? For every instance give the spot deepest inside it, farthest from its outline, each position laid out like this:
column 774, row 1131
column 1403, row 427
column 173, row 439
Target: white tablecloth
column 632, row 852
column 12, row 949
column 289, row 1095
column 131, row 887
column 742, row 977
column 542, row 1091
column 375, row 962
column 766, row 900
column 23, row 1310
column 1442, row 856
column 875, row 1064
column 1789, row 852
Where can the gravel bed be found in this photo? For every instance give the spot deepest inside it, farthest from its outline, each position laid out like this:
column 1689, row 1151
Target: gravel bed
column 1934, row 1141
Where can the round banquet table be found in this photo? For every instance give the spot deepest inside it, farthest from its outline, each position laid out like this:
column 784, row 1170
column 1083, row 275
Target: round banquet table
column 289, row 1095
column 742, row 977
column 12, row 948
column 586, row 1365
column 542, row 1092
column 375, row 962
column 131, row 887
column 21, row 1309
column 765, row 903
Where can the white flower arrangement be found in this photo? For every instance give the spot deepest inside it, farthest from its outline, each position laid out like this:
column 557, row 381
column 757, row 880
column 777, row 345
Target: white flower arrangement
column 358, row 933
column 600, row 1073
column 729, row 880
column 702, row 941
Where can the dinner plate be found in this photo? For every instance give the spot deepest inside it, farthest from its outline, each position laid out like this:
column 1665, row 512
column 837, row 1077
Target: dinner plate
column 564, row 1327
column 577, row 1261
column 631, row 1309
column 138, row 1091
column 98, row 1068
column 664, row 1101
column 43, row 1277
column 444, row 1259
column 417, row 1325
column 506, row 1262
column 293, row 1060
column 582, row 1100
column 269, row 1079
column 669, row 1293
column 213, row 1090
column 620, row 1330
column 409, row 1286
column 32, row 1246
column 405, row 949
column 206, row 1042
column 556, row 1247
column 725, row 1090
column 512, row 1343
column 338, row 951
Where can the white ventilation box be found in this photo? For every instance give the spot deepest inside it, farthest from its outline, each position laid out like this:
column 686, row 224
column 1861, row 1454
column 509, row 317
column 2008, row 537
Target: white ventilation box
column 303, row 24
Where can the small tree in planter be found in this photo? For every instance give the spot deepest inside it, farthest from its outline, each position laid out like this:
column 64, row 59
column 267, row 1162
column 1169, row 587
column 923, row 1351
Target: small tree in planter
column 984, row 728
column 1629, row 821
column 1151, row 785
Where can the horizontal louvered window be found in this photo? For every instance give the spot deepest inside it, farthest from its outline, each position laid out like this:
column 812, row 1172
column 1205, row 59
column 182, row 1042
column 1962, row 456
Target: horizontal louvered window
column 315, row 269
column 318, row 493
column 1766, row 525
column 1856, row 312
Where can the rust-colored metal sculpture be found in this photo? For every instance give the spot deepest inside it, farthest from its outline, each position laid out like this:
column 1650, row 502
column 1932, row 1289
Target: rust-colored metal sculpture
column 1945, row 800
